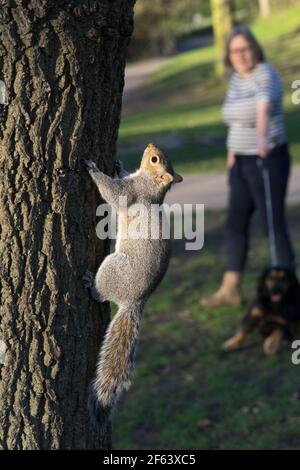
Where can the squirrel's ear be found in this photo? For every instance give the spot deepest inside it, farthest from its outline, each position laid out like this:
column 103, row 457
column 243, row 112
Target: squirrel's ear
column 177, row 178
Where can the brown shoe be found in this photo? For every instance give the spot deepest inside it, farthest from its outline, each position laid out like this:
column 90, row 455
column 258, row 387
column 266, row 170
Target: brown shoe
column 229, row 293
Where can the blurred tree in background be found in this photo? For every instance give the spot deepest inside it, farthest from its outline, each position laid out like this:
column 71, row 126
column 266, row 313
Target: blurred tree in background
column 223, row 20
column 161, row 26
column 158, row 24
column 265, row 8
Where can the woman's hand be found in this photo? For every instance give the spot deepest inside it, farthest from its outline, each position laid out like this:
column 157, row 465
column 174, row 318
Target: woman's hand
column 230, row 159
column 262, row 148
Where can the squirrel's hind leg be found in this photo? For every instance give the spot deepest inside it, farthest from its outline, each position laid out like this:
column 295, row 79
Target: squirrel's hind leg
column 89, row 283
column 115, row 279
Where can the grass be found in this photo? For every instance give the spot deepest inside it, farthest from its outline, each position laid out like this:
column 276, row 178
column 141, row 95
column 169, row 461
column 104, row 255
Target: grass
column 180, row 107
column 186, row 393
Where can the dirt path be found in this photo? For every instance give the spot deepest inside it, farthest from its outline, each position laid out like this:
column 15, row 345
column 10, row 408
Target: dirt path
column 136, row 76
column 206, row 188
column 211, row 189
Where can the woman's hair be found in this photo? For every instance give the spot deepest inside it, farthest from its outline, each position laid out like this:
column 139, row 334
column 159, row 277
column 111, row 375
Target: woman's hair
column 256, row 47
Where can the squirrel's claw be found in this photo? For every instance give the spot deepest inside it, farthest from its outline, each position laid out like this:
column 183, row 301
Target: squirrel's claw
column 90, row 165
column 89, row 283
column 88, row 279
column 118, row 167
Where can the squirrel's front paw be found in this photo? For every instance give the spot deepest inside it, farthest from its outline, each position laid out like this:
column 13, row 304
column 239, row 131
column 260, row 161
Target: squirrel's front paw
column 119, row 168
column 91, row 166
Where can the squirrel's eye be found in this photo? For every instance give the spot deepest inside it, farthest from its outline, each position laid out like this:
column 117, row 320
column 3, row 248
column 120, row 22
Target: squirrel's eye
column 154, row 160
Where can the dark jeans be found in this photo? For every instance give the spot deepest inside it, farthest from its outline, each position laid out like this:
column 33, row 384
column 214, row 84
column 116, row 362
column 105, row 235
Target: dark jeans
column 246, row 195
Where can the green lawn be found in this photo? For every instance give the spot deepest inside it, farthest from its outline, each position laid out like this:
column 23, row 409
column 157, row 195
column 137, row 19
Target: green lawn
column 181, row 102
column 187, row 393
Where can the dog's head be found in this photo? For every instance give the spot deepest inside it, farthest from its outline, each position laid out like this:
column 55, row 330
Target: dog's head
column 277, row 284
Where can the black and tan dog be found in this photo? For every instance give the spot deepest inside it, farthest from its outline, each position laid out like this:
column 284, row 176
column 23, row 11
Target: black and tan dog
column 274, row 310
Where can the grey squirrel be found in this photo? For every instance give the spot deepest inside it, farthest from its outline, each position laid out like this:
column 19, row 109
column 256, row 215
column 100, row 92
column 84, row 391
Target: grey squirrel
column 128, row 276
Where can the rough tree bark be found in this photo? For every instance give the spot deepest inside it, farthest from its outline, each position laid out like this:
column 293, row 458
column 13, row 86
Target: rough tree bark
column 62, row 63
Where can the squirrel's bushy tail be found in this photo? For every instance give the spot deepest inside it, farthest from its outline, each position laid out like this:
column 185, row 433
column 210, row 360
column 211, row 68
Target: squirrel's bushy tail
column 115, row 363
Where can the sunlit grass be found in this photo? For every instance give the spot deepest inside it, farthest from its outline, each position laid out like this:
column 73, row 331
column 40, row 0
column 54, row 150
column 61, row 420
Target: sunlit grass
column 186, row 393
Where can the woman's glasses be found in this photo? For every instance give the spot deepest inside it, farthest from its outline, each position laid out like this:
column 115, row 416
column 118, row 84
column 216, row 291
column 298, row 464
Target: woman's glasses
column 241, row 50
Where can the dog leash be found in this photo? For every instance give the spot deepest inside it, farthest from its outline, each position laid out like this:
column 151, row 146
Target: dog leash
column 263, row 165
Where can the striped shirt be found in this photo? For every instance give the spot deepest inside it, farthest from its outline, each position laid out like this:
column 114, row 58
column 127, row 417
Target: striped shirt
column 239, row 109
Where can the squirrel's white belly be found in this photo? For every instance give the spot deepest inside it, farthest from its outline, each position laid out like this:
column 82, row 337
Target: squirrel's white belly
column 138, row 227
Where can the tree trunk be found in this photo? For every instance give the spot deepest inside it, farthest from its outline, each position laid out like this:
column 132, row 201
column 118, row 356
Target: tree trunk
column 222, row 14
column 264, row 8
column 62, row 66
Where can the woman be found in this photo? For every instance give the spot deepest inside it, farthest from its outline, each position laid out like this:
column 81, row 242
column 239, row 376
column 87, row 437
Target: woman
column 253, row 112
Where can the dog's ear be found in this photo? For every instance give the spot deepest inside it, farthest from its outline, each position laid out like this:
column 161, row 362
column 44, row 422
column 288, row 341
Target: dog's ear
column 262, row 291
